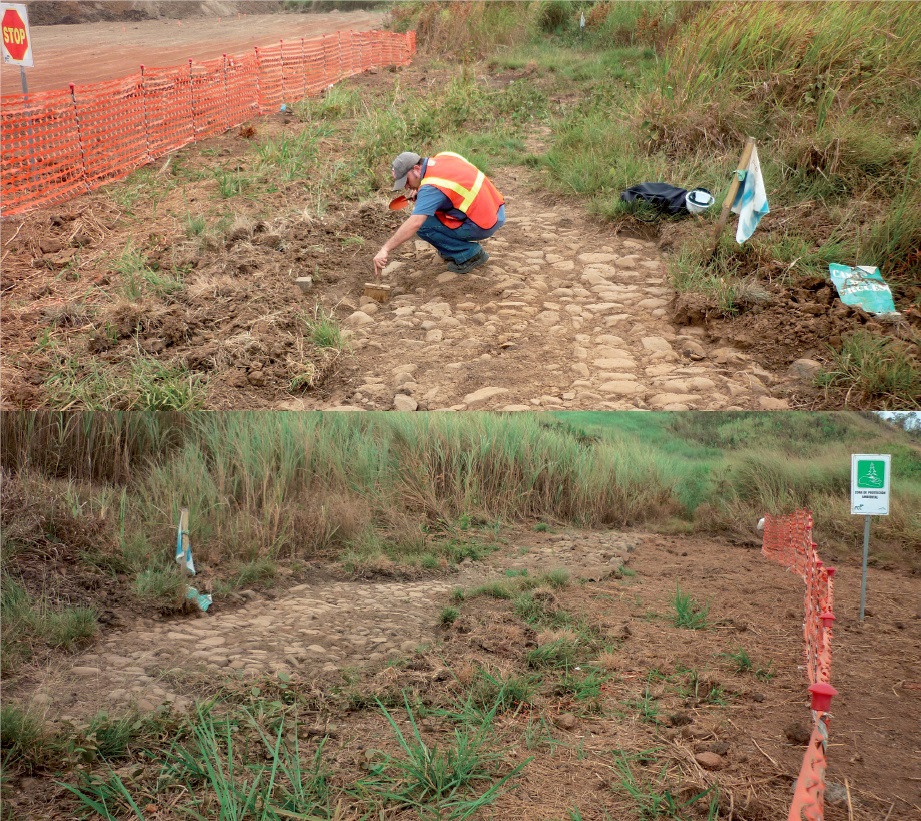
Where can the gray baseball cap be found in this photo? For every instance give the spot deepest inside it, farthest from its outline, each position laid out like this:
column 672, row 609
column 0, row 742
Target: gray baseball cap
column 402, row 165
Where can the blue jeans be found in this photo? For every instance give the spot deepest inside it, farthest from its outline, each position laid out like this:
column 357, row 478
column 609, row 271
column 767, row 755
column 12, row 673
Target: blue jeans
column 458, row 244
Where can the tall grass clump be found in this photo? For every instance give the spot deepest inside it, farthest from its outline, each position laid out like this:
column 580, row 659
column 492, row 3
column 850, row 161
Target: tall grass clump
column 453, row 781
column 874, row 369
column 466, row 31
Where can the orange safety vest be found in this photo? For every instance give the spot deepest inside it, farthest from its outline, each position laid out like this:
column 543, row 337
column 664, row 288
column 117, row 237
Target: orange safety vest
column 466, row 186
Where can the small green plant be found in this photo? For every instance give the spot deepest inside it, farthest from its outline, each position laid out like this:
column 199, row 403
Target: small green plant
column 195, row 225
column 540, row 527
column 323, row 330
column 538, row 611
column 647, row 707
column 700, row 691
column 743, row 663
column 443, row 782
column 448, row 616
column 139, row 278
column 458, row 595
column 583, row 686
column 538, row 733
column 654, row 799
column 689, row 613
column 25, row 743
column 489, row 695
column 105, row 795
column 558, row 578
column 166, row 586
column 494, row 590
column 230, row 183
column 562, row 652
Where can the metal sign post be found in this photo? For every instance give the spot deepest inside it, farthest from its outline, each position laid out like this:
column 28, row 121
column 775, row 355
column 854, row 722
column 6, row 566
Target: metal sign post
column 869, row 497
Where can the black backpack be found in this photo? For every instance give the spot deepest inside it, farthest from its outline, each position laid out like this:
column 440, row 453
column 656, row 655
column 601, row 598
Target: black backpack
column 668, row 199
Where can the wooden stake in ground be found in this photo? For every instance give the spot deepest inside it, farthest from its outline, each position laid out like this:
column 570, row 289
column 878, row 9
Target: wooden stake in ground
column 733, row 189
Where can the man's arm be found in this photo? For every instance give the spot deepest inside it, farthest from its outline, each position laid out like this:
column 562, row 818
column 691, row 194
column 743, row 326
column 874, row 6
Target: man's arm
column 406, row 231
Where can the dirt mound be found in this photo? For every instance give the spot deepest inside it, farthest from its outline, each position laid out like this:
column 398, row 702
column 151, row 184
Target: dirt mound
column 71, row 12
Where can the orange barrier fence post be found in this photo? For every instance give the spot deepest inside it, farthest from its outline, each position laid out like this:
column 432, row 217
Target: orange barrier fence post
column 147, row 155
column 83, row 175
column 258, row 81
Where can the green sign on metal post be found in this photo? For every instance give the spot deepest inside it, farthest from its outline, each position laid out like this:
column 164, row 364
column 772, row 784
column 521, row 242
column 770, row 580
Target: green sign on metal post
column 869, row 497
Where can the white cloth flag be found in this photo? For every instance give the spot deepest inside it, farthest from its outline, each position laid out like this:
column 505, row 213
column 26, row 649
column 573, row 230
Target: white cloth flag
column 184, row 543
column 751, row 200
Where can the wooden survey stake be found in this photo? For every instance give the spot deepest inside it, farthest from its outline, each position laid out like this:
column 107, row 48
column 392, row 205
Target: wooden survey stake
column 733, row 190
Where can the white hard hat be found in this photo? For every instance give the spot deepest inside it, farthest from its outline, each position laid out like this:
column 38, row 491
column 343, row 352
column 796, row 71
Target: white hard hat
column 698, row 200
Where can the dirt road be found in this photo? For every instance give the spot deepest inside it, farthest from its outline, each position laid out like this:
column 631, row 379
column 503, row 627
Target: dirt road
column 566, row 314
column 92, row 52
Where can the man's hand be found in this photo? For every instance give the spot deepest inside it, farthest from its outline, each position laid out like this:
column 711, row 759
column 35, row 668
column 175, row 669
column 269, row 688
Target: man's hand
column 380, row 262
column 404, row 232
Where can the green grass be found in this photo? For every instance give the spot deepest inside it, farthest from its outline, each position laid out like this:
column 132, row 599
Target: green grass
column 452, row 781
column 559, row 653
column 323, row 329
column 658, row 797
column 584, row 686
column 231, row 183
column 493, row 590
column 138, row 278
column 166, row 586
column 300, row 486
column 689, row 613
column 743, row 663
column 558, row 578
column 876, row 369
column 25, row 742
column 36, row 621
column 196, row 225
column 149, row 385
column 647, row 707
column 448, row 616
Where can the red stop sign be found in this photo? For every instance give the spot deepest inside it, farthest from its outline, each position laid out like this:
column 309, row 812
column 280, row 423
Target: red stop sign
column 15, row 36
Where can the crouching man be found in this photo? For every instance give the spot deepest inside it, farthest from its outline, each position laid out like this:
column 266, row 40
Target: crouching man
column 456, row 205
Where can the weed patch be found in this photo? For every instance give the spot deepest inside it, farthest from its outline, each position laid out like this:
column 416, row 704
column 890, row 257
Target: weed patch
column 689, row 613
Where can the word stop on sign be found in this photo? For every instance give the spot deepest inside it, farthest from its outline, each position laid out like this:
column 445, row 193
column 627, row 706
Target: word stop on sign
column 17, row 44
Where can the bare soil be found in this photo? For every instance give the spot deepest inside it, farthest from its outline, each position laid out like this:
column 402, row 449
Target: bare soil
column 93, row 52
column 315, row 625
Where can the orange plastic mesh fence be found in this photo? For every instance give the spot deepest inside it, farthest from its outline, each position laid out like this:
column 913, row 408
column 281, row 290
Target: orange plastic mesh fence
column 809, row 794
column 788, row 541
column 57, row 144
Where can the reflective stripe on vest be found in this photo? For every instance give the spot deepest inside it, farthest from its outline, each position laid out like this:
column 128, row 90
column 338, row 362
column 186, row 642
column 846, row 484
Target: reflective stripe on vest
column 465, row 197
